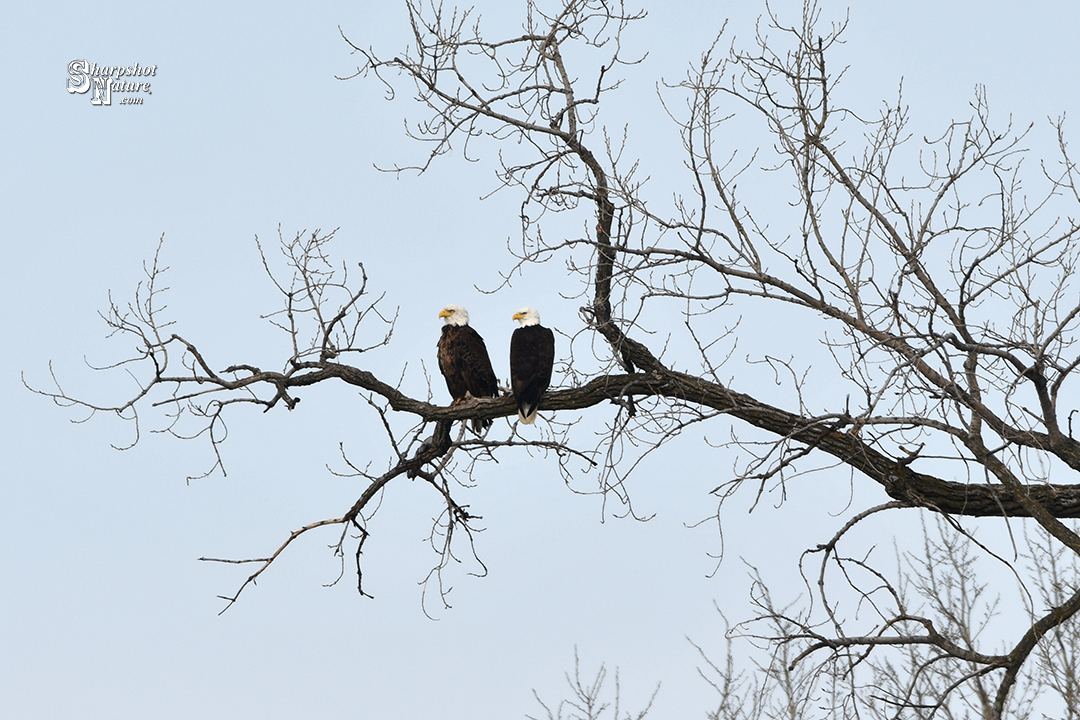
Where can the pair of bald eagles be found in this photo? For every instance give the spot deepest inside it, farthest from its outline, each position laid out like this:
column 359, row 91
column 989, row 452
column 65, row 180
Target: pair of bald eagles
column 464, row 361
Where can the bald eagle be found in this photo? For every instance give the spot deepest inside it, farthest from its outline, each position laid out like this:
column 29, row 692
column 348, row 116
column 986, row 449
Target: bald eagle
column 532, row 353
column 464, row 361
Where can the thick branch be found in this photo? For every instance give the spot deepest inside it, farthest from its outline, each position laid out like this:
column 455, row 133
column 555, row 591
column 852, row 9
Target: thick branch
column 895, row 476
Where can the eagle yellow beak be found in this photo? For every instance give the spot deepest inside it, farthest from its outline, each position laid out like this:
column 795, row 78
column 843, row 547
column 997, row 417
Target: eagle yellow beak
column 517, row 316
column 445, row 313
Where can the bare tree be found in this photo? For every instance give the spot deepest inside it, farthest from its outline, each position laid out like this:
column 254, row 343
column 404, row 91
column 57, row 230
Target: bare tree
column 587, row 701
column 940, row 273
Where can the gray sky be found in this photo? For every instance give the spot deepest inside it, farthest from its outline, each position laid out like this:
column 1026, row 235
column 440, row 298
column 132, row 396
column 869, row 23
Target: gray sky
column 108, row 614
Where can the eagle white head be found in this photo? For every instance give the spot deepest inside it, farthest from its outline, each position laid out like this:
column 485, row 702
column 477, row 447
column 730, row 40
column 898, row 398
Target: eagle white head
column 527, row 316
column 455, row 315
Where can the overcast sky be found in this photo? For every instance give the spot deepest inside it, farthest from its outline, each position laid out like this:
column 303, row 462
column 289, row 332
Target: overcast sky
column 106, row 611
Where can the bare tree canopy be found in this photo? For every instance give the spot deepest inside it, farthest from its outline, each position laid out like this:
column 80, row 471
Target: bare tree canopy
column 938, row 274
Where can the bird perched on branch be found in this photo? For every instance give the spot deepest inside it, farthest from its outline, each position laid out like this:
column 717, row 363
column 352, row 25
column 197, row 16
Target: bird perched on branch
column 532, row 354
column 464, row 361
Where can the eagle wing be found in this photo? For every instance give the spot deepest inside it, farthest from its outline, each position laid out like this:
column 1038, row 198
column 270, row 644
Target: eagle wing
column 532, row 355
